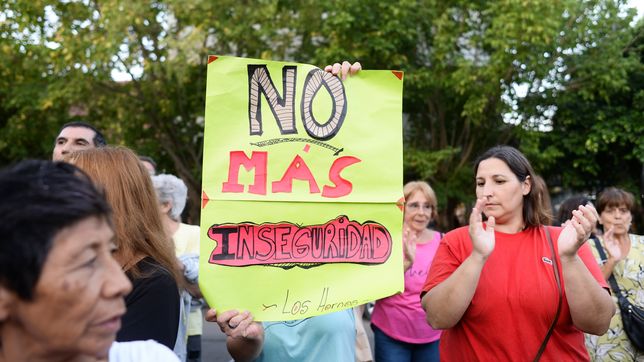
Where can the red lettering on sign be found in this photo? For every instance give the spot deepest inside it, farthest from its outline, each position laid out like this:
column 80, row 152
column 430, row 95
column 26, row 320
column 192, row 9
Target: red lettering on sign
column 342, row 186
column 337, row 241
column 297, row 170
column 258, row 161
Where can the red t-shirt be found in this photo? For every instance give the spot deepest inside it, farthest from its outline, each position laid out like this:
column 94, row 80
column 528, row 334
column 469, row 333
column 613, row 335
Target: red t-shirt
column 515, row 300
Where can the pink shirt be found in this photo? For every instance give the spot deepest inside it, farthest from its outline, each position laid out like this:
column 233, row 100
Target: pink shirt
column 401, row 316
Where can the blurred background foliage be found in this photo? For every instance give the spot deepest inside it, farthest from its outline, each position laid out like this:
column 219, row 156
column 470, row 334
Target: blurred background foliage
column 561, row 80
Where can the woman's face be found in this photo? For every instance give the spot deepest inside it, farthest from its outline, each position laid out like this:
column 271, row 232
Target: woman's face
column 78, row 299
column 619, row 218
column 502, row 190
column 418, row 212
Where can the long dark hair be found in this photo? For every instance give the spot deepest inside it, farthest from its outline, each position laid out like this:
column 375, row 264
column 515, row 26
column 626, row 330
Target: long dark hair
column 535, row 211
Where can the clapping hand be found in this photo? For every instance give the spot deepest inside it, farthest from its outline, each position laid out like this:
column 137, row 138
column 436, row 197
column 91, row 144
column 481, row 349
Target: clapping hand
column 409, row 247
column 482, row 239
column 577, row 230
column 614, row 250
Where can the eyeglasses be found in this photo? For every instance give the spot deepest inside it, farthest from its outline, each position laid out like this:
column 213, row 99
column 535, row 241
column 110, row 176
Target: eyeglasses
column 415, row 206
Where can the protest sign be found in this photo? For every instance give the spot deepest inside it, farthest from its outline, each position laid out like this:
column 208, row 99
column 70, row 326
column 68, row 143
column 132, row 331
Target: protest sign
column 301, row 175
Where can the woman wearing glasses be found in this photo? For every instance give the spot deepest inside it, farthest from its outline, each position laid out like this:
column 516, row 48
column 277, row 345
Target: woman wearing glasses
column 621, row 255
column 398, row 322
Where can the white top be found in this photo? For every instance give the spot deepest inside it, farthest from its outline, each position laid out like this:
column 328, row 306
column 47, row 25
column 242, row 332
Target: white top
column 141, row 351
column 186, row 239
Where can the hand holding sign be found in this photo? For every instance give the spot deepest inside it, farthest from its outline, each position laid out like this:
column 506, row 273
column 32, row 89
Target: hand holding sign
column 244, row 336
column 235, row 324
column 343, row 69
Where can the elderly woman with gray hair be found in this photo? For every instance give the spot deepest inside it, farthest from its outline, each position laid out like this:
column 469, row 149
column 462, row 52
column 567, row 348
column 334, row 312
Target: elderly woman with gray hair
column 172, row 193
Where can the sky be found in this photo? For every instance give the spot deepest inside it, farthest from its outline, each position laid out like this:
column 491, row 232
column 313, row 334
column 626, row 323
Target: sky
column 639, row 4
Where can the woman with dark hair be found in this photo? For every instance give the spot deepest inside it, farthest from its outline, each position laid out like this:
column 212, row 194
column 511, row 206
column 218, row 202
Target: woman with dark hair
column 511, row 288
column 620, row 255
column 145, row 252
column 61, row 291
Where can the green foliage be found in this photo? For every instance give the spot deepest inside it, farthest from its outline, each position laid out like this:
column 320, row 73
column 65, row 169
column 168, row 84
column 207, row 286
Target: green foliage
column 580, row 119
column 425, row 164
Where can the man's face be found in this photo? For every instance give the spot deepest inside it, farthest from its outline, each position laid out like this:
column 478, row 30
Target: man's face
column 72, row 139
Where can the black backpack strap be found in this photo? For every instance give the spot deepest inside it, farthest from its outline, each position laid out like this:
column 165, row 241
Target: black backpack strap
column 559, row 290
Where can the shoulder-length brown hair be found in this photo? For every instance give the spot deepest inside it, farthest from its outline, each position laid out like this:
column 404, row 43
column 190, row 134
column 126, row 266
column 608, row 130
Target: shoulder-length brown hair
column 535, row 210
column 615, row 197
column 137, row 223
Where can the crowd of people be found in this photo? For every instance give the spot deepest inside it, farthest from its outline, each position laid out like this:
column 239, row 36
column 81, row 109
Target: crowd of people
column 96, row 264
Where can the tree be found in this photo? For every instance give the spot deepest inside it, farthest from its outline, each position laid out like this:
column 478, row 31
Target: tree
column 602, row 123
column 464, row 61
column 598, row 130
column 466, row 64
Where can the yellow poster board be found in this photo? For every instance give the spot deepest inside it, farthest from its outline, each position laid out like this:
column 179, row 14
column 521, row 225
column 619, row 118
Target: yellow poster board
column 302, row 173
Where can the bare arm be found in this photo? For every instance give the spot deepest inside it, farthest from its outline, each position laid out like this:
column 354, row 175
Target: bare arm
column 591, row 307
column 244, row 337
column 446, row 303
column 607, row 267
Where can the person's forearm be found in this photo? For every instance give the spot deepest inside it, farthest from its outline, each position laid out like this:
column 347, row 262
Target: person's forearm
column 591, row 307
column 244, row 349
column 446, row 303
column 607, row 267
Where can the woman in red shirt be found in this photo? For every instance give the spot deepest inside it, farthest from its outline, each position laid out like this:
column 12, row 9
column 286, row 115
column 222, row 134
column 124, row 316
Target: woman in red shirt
column 493, row 286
